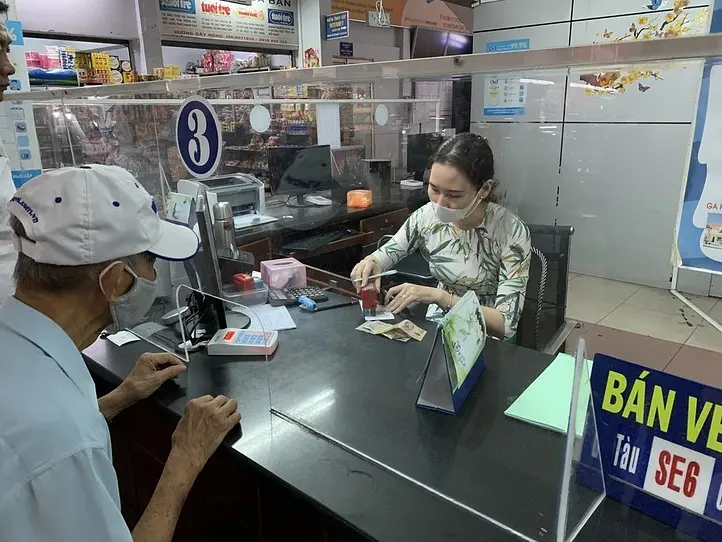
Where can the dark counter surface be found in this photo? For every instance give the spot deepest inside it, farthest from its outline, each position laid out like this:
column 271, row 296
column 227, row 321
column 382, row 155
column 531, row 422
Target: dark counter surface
column 360, row 390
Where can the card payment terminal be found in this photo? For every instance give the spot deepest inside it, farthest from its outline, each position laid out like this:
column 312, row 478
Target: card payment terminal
column 242, row 342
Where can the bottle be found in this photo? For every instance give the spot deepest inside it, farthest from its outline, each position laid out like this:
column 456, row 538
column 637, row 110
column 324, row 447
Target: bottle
column 224, row 230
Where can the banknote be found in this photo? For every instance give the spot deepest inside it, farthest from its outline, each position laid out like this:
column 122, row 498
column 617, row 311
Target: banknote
column 403, row 331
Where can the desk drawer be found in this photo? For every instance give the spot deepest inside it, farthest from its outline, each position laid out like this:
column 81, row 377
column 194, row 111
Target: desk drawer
column 386, row 224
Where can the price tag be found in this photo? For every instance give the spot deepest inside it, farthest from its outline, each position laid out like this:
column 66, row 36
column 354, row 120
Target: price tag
column 198, row 137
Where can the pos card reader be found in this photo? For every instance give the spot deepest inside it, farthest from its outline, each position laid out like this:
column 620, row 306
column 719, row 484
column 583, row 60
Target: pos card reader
column 242, row 342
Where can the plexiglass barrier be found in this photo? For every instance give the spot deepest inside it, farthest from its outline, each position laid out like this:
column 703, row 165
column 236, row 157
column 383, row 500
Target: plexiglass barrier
column 591, row 150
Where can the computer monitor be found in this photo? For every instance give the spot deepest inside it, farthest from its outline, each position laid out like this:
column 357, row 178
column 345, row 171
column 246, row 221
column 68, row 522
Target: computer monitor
column 420, row 148
column 300, row 171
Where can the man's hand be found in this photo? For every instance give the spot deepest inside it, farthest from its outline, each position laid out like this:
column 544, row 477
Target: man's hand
column 150, row 372
column 205, row 423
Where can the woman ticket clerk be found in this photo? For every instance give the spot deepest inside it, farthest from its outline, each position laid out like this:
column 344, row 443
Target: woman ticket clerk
column 469, row 242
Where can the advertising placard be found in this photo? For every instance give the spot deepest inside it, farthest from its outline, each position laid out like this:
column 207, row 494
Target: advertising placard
column 699, row 224
column 264, row 22
column 660, row 442
column 17, row 123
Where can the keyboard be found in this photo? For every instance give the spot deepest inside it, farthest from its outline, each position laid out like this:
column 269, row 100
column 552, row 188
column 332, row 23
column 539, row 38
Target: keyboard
column 314, row 241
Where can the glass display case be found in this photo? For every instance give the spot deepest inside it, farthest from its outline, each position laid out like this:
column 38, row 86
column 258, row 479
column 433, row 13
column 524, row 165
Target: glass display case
column 593, row 138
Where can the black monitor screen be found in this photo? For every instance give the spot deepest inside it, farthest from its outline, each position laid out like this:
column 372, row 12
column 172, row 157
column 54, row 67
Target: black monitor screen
column 419, row 150
column 458, row 44
column 300, row 170
column 428, row 43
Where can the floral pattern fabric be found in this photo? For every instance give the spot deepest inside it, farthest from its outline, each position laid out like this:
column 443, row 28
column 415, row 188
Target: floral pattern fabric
column 491, row 259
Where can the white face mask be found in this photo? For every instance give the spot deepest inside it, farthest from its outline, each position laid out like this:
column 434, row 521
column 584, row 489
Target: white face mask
column 129, row 309
column 447, row 215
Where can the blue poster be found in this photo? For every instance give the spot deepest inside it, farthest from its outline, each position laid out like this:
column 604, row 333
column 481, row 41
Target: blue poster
column 660, row 444
column 337, row 25
column 198, row 137
column 345, row 48
column 699, row 232
column 21, row 176
column 15, row 29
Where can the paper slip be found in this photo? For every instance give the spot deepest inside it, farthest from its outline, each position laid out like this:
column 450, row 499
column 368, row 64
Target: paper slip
column 403, row 331
column 268, row 318
column 381, row 314
column 123, row 337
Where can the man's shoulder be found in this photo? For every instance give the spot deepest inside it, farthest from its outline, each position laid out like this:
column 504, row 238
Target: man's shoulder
column 43, row 418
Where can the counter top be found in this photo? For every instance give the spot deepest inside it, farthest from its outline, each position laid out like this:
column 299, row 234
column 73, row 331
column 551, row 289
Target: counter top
column 360, row 390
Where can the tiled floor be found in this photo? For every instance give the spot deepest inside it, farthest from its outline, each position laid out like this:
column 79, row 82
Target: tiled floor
column 648, row 326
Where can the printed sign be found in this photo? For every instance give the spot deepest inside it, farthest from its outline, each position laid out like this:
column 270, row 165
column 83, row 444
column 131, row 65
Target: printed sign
column 198, row 137
column 337, row 25
column 456, row 360
column 264, row 22
column 507, row 46
column 17, row 123
column 660, row 442
column 504, row 97
column 699, row 224
column 345, row 48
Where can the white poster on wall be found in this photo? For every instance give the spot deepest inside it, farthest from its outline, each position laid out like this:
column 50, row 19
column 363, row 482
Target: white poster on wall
column 504, row 97
column 265, row 22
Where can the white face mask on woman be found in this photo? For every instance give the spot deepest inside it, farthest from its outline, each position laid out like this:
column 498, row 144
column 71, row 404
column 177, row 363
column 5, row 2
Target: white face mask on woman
column 129, row 309
column 447, row 215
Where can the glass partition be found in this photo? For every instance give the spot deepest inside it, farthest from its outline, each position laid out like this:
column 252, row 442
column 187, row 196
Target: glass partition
column 590, row 149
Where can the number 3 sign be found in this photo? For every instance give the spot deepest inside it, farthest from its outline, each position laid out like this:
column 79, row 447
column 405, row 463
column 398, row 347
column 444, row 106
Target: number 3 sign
column 198, row 137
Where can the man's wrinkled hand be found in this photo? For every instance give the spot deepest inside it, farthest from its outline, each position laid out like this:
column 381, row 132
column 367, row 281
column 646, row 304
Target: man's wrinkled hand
column 205, row 422
column 150, row 372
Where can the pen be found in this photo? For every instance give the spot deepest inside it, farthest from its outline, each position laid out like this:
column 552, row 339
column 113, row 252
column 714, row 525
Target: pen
column 384, row 274
column 329, row 307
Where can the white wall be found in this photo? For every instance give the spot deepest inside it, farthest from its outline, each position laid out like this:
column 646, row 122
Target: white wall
column 610, row 164
column 377, row 44
column 101, row 18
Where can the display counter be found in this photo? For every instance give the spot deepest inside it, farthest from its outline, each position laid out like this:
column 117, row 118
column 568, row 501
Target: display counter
column 276, row 480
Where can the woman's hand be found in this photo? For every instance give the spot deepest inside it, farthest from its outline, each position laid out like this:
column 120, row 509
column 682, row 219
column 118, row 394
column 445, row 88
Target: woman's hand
column 400, row 297
column 363, row 270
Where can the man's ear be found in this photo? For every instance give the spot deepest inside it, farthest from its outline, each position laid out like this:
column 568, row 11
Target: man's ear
column 114, row 282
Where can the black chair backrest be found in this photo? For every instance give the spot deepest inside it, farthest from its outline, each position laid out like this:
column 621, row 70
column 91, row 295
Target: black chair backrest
column 554, row 242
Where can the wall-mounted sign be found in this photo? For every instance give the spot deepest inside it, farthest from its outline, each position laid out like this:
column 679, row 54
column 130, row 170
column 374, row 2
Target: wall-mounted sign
column 198, row 137
column 507, row 46
column 337, row 25
column 345, row 48
column 17, row 122
column 410, row 13
column 271, row 23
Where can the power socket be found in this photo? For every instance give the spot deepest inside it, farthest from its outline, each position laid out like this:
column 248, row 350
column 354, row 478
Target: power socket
column 373, row 19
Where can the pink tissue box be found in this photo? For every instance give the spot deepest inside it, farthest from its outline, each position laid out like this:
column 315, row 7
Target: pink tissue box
column 283, row 273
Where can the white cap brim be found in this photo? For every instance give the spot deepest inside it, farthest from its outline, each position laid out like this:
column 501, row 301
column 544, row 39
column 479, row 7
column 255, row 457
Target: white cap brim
column 176, row 243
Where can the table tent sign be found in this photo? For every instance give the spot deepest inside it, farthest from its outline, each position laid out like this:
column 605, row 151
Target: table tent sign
column 456, row 360
column 660, row 441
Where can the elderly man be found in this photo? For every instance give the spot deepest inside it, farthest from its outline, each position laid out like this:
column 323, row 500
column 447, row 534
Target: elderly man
column 87, row 238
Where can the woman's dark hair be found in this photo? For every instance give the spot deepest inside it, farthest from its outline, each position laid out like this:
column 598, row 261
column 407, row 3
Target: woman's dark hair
column 470, row 154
